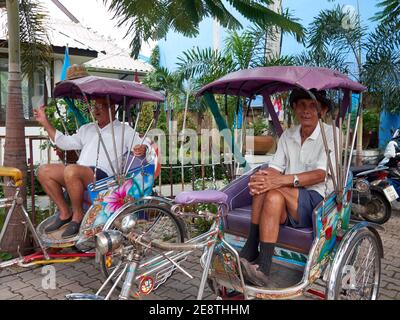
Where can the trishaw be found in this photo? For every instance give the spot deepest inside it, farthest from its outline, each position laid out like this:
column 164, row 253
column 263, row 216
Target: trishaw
column 130, row 186
column 340, row 256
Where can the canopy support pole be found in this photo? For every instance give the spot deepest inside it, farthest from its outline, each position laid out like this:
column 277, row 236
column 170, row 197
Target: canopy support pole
column 113, row 137
column 271, row 110
column 96, row 125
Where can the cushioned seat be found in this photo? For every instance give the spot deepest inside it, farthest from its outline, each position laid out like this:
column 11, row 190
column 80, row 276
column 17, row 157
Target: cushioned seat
column 204, row 196
column 238, row 222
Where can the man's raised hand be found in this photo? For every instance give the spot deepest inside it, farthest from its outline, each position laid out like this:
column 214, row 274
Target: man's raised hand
column 40, row 115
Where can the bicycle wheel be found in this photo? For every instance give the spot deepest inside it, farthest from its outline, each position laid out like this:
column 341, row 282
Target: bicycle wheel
column 358, row 274
column 156, row 222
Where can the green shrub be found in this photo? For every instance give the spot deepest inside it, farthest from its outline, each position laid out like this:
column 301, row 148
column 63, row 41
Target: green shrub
column 370, row 120
column 260, row 126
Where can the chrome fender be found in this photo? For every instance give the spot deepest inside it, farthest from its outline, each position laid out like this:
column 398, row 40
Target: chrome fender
column 133, row 204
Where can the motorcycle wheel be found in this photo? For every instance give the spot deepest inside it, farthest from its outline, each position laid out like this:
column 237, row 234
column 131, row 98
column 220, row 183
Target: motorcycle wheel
column 378, row 208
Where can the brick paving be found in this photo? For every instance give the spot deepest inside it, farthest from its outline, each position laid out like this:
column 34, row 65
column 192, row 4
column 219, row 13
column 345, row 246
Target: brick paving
column 85, row 277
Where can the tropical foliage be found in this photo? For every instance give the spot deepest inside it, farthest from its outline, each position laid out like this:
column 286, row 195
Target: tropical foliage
column 152, row 19
column 382, row 65
column 25, row 30
column 36, row 53
column 373, row 59
column 331, row 41
column 389, row 14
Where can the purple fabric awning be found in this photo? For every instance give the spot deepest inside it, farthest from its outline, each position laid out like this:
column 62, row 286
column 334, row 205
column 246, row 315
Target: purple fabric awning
column 93, row 86
column 269, row 80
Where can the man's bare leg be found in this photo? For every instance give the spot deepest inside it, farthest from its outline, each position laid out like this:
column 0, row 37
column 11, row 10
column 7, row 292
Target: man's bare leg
column 76, row 179
column 273, row 214
column 51, row 177
column 277, row 203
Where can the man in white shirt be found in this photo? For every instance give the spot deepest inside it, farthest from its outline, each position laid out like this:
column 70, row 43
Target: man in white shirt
column 75, row 177
column 392, row 152
column 291, row 187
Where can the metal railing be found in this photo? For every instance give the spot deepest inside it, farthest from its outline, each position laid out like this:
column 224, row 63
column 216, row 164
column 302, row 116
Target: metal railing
column 29, row 142
column 35, row 156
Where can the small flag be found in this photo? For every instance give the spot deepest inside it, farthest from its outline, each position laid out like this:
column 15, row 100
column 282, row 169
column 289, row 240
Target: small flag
column 239, row 117
column 136, row 77
column 66, row 64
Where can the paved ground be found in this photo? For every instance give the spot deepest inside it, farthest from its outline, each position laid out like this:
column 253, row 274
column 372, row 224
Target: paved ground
column 84, row 276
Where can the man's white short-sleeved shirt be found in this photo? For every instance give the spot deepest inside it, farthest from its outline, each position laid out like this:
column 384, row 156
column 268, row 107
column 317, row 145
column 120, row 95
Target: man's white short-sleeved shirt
column 292, row 158
column 87, row 140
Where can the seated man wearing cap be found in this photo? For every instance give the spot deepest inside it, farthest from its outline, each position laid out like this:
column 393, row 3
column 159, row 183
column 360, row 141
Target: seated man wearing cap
column 75, row 177
column 292, row 185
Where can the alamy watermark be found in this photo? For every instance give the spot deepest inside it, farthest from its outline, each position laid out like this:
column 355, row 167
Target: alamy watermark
column 49, row 277
column 349, row 277
column 190, row 147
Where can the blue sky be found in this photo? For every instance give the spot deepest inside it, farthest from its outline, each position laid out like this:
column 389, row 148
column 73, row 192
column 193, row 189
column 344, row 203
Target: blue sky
column 305, row 10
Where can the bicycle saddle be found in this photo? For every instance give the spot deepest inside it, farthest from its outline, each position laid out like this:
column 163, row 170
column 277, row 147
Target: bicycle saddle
column 204, row 196
column 13, row 173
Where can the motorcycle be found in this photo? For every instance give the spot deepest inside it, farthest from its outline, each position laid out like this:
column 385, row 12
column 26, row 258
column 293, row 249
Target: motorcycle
column 373, row 193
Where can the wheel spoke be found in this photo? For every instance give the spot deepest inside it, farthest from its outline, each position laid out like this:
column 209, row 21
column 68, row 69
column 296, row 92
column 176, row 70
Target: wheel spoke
column 362, row 256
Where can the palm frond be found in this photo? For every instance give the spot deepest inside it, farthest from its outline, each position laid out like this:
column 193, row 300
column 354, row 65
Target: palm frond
column 152, row 19
column 241, row 47
column 285, row 60
column 329, row 31
column 204, row 63
column 390, row 12
column 327, row 59
column 382, row 66
column 256, row 11
column 36, row 51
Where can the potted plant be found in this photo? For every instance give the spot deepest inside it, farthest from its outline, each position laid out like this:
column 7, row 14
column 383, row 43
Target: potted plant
column 261, row 142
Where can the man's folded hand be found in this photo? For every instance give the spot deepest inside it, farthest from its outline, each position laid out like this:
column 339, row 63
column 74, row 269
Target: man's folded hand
column 139, row 150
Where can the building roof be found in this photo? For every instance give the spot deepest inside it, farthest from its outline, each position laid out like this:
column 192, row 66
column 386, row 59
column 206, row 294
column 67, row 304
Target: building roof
column 120, row 60
column 75, row 35
column 64, row 32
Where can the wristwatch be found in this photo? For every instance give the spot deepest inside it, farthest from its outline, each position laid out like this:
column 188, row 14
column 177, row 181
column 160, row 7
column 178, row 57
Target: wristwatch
column 296, row 181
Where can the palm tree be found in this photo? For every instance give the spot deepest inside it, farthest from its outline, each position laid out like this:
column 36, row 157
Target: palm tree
column 389, row 14
column 24, row 25
column 329, row 36
column 382, row 65
column 15, row 150
column 152, row 19
column 36, row 53
column 380, row 71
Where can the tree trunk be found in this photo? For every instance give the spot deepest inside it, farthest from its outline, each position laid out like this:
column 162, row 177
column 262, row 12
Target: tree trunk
column 14, row 149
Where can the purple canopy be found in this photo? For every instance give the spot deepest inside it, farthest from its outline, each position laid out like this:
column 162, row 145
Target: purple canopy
column 269, row 80
column 93, row 86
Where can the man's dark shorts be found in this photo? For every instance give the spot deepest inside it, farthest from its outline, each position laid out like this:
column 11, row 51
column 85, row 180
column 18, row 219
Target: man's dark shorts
column 100, row 174
column 307, row 201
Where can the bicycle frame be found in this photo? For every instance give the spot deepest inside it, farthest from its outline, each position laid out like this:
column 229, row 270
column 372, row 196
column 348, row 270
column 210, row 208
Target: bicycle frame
column 12, row 203
column 170, row 256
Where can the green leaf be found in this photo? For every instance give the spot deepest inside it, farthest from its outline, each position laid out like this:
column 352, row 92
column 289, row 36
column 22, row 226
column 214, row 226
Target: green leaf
column 152, row 19
column 4, row 256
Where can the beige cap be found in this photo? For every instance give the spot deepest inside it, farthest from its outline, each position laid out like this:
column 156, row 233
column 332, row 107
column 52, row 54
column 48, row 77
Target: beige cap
column 76, row 71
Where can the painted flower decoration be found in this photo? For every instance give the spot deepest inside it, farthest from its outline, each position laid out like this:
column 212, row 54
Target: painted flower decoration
column 117, row 199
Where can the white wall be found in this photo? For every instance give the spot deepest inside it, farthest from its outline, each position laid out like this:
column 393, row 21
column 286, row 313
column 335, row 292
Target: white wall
column 39, row 156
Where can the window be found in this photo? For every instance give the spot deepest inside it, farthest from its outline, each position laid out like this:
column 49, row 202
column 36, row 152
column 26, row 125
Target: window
column 32, row 93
